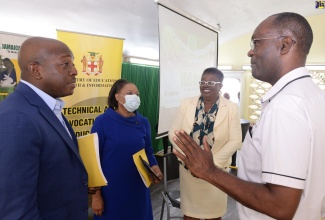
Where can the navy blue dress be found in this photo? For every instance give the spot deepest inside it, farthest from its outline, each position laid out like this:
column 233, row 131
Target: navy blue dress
column 125, row 197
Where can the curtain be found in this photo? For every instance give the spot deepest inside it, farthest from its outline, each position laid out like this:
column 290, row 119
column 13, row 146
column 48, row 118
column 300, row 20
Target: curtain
column 146, row 78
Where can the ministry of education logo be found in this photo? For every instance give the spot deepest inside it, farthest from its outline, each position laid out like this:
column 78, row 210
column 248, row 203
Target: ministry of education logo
column 92, row 63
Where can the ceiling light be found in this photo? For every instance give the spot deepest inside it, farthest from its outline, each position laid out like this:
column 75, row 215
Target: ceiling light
column 225, row 67
column 315, row 67
column 144, row 61
column 246, row 67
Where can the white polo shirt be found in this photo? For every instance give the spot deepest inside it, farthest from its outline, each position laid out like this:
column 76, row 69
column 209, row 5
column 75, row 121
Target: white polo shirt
column 287, row 146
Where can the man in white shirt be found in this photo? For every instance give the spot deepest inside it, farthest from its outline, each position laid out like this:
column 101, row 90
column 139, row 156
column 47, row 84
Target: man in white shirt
column 280, row 173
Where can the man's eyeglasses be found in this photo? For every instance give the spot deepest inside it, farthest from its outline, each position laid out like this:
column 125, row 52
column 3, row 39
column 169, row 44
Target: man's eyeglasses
column 254, row 41
column 209, row 83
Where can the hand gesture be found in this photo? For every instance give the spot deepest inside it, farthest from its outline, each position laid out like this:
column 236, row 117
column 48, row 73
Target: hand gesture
column 199, row 161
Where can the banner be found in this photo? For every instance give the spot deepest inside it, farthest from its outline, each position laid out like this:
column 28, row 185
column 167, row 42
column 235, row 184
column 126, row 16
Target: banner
column 9, row 70
column 98, row 60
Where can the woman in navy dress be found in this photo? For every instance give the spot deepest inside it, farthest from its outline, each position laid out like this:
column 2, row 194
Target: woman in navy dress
column 122, row 132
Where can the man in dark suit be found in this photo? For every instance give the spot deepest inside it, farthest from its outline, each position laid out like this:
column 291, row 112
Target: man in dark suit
column 41, row 173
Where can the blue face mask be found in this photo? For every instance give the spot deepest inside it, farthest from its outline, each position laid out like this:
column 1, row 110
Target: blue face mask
column 132, row 102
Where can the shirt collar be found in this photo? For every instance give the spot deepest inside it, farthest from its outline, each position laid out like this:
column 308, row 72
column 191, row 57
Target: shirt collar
column 284, row 80
column 49, row 100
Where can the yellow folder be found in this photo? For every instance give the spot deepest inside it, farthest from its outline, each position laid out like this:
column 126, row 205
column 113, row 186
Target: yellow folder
column 145, row 176
column 89, row 153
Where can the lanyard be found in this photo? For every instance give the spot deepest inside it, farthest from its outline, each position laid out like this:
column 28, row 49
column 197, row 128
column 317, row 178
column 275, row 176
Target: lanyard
column 286, row 85
column 250, row 127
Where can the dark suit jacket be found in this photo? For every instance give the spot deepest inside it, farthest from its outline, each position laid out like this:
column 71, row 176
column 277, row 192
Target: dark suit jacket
column 41, row 173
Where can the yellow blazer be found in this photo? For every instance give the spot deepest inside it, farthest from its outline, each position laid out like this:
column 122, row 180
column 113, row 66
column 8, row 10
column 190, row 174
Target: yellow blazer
column 227, row 128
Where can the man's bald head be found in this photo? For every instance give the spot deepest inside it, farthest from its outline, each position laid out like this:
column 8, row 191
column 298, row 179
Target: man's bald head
column 36, row 50
column 48, row 65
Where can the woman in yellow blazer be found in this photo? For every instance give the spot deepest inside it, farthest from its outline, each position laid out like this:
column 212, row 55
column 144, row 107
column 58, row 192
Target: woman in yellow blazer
column 212, row 115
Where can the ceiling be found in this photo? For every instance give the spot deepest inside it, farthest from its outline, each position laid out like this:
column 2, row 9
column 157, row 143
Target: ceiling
column 136, row 21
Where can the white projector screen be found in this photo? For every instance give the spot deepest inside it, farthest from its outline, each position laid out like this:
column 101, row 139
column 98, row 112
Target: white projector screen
column 186, row 49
